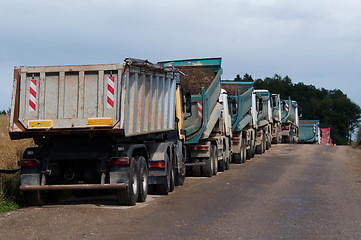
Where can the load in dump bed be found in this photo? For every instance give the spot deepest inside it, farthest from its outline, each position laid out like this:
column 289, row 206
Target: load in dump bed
column 108, row 126
column 207, row 124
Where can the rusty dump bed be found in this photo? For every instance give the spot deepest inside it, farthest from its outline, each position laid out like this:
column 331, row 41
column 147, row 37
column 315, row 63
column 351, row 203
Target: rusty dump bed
column 131, row 98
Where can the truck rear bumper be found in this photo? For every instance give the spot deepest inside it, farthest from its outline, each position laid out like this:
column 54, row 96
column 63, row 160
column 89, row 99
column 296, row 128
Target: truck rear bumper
column 74, row 187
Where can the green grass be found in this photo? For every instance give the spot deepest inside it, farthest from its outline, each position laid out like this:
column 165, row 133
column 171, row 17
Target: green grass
column 8, row 205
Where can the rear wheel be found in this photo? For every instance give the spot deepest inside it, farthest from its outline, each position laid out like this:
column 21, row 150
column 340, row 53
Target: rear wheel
column 129, row 195
column 249, row 151
column 228, row 164
column 214, row 159
column 143, row 179
column 164, row 189
column 237, row 157
column 264, row 143
column 180, row 173
column 35, row 198
column 244, row 150
column 209, row 165
column 172, row 180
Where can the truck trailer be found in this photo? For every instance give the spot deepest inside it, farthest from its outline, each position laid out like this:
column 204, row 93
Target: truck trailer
column 309, row 131
column 99, row 127
column 208, row 124
column 277, row 119
column 264, row 121
column 244, row 113
column 290, row 121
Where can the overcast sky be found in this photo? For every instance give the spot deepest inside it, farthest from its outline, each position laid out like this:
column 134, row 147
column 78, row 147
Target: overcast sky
column 315, row 42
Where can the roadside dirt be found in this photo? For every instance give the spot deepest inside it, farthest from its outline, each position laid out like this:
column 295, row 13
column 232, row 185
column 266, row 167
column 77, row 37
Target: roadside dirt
column 290, row 192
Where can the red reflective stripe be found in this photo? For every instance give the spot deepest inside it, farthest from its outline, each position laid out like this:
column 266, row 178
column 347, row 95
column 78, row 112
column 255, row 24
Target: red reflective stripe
column 110, row 89
column 32, row 92
column 33, row 81
column 111, row 102
column 32, row 105
column 111, row 78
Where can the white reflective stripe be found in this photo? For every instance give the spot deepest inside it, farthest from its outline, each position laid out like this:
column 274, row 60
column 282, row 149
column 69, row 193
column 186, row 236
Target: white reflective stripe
column 32, row 95
column 200, row 109
column 110, row 94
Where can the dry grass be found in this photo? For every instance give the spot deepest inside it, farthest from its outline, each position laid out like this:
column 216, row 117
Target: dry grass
column 10, row 154
column 10, row 151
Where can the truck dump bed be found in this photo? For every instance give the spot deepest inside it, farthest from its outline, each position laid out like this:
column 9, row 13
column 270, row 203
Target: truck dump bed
column 265, row 116
column 309, row 131
column 131, row 98
column 289, row 111
column 202, row 78
column 240, row 94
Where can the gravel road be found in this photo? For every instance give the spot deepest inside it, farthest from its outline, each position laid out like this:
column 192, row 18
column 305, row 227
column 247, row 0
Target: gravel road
column 290, row 192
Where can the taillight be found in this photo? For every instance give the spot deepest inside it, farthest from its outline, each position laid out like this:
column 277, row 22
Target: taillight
column 286, row 128
column 200, row 148
column 235, row 140
column 119, row 161
column 157, row 164
column 29, row 163
column 259, row 134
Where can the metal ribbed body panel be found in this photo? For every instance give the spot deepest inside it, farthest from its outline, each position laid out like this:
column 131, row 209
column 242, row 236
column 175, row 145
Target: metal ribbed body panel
column 134, row 97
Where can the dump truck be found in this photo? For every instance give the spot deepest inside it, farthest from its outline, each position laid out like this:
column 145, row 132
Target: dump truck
column 309, row 131
column 113, row 127
column 208, row 123
column 277, row 119
column 244, row 113
column 290, row 121
column 264, row 121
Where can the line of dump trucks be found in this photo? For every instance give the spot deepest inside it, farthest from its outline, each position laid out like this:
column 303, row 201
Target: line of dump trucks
column 136, row 127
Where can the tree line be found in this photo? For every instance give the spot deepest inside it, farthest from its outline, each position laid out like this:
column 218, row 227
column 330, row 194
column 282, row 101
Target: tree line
column 332, row 107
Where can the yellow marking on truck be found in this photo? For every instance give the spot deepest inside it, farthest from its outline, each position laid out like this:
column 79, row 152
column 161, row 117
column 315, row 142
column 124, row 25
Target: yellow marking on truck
column 179, row 112
column 100, row 122
column 40, row 124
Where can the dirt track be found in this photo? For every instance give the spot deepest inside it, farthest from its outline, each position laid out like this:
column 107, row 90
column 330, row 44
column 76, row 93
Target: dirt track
column 291, row 192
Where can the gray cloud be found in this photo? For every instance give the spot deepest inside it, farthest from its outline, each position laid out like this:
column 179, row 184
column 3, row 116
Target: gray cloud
column 316, row 42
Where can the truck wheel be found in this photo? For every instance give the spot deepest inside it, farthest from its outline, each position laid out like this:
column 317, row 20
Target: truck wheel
column 249, row 151
column 264, row 144
column 221, row 165
column 268, row 145
column 129, row 195
column 228, row 164
column 209, row 166
column 179, row 179
column 180, row 174
column 143, row 179
column 215, row 160
column 35, row 198
column 172, row 180
column 244, row 150
column 237, row 158
column 196, row 170
column 259, row 148
column 164, row 189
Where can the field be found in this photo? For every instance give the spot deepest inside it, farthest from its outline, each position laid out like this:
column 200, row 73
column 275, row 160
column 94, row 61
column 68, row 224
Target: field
column 10, row 154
